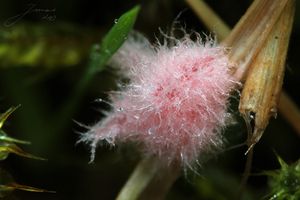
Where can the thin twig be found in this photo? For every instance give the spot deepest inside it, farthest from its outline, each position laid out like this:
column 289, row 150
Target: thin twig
column 212, row 21
column 289, row 111
column 246, row 174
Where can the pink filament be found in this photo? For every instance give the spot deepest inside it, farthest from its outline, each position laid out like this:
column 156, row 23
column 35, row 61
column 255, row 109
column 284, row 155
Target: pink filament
column 175, row 105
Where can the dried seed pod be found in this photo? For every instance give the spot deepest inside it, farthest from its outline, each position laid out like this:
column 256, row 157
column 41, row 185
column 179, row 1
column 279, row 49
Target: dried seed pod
column 246, row 41
column 286, row 106
column 262, row 88
column 251, row 32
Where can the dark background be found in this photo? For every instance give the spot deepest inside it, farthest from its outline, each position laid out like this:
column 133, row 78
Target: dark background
column 43, row 86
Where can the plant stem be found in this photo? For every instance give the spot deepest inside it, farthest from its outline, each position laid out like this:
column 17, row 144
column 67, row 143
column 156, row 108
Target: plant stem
column 138, row 180
column 161, row 182
column 212, row 21
column 290, row 111
column 149, row 180
column 246, row 174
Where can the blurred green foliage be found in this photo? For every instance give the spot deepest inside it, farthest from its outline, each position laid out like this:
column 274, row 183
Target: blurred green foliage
column 48, row 46
column 285, row 182
column 7, row 146
column 99, row 55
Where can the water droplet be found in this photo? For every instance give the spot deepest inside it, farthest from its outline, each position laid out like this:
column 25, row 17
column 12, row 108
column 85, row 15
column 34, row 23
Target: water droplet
column 99, row 100
column 150, row 131
column 116, row 21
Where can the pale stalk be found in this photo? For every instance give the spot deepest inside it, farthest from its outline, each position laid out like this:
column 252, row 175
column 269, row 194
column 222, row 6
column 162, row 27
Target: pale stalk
column 139, row 179
column 212, row 21
column 149, row 180
column 161, row 182
column 290, row 111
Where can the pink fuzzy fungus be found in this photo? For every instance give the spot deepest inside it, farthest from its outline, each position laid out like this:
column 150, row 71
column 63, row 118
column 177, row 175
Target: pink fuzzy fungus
column 175, row 105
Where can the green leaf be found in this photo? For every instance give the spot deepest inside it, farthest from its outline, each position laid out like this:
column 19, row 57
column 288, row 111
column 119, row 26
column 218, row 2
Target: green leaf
column 99, row 55
column 7, row 148
column 4, row 116
column 113, row 40
column 4, row 138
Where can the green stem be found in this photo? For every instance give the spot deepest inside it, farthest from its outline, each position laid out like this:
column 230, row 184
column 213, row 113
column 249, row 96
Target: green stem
column 138, row 180
column 149, row 180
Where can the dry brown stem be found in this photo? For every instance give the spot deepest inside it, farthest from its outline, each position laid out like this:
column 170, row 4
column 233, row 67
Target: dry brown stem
column 262, row 88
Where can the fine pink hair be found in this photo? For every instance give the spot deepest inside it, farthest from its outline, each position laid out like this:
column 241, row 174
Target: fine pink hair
column 175, row 104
